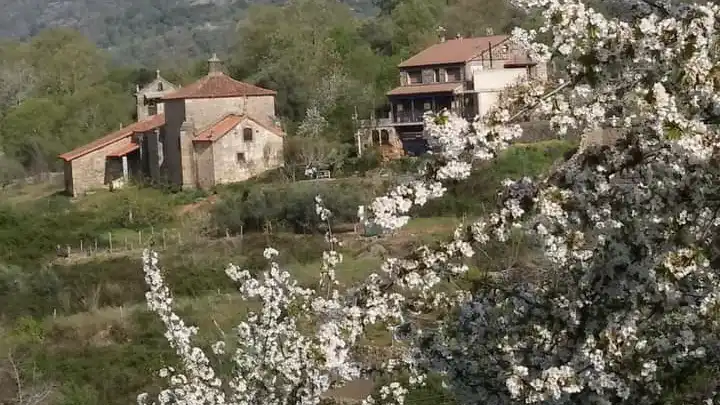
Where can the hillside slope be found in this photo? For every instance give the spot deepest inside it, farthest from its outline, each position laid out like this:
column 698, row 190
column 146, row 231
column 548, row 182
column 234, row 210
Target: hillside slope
column 139, row 30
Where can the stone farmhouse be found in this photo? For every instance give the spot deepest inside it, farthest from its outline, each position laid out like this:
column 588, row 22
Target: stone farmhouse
column 216, row 130
column 463, row 75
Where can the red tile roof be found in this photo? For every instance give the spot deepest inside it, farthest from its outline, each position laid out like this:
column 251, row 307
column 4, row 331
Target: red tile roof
column 227, row 123
column 218, row 129
column 124, row 150
column 147, row 124
column 218, row 85
column 424, row 89
column 453, row 51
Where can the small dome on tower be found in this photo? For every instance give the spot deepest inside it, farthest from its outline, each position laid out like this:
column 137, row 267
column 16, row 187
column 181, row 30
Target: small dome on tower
column 214, row 64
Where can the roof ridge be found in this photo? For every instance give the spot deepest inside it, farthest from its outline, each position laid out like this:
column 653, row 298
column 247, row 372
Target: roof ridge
column 218, row 85
column 114, row 136
column 452, row 51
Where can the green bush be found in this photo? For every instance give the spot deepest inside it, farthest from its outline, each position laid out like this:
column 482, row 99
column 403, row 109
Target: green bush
column 291, row 206
column 40, row 291
column 369, row 160
column 27, row 292
column 478, row 194
column 29, row 234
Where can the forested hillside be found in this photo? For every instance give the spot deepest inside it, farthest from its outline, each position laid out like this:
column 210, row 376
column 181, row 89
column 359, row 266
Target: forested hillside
column 59, row 89
column 139, row 30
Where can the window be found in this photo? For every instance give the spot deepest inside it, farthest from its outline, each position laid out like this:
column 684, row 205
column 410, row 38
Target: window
column 240, row 157
column 438, row 77
column 247, row 134
column 385, row 137
column 375, row 137
column 415, row 77
column 427, row 106
column 160, row 86
column 152, row 108
column 454, row 74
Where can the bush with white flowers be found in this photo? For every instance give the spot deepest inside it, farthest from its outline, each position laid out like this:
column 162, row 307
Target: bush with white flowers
column 628, row 312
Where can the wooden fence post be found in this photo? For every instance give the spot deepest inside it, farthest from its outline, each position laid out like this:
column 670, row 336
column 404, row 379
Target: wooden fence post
column 110, row 240
column 139, row 238
column 81, row 246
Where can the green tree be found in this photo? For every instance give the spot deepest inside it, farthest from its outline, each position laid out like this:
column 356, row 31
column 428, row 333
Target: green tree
column 66, row 61
column 415, row 25
column 57, row 93
column 472, row 18
column 30, row 132
column 294, row 48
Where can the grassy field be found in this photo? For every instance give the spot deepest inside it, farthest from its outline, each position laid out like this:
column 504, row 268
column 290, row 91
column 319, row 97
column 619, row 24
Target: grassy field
column 77, row 327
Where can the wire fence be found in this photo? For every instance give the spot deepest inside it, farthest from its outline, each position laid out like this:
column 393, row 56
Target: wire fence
column 121, row 242
column 124, row 241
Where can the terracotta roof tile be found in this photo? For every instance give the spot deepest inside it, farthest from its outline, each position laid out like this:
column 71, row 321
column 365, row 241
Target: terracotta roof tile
column 147, row 124
column 230, row 121
column 424, row 89
column 124, row 150
column 218, row 129
column 453, row 51
column 218, row 85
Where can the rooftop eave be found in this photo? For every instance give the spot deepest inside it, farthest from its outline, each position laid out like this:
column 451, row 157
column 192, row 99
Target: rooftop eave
column 171, row 98
column 404, row 65
column 519, row 64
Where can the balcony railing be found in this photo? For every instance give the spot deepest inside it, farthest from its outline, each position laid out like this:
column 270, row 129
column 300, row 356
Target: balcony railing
column 409, row 117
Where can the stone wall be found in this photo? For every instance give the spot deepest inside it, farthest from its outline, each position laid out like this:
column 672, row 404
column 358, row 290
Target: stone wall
column 263, row 153
column 89, row 171
column 206, row 111
column 372, row 138
column 187, row 156
column 151, row 91
column 68, row 177
column 171, row 168
column 204, row 164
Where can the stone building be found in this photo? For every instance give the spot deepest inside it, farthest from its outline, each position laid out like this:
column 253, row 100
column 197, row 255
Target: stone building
column 463, row 75
column 216, row 130
column 379, row 133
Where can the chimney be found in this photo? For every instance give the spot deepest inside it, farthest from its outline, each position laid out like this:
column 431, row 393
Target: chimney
column 214, row 65
column 441, row 33
column 157, row 73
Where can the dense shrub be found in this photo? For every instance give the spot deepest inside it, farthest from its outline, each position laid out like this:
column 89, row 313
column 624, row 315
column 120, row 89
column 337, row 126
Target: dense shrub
column 40, row 291
column 30, row 233
column 369, row 160
column 479, row 193
column 291, row 206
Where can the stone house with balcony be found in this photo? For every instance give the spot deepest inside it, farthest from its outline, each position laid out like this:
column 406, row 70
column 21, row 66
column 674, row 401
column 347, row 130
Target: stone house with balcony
column 463, row 75
column 216, row 130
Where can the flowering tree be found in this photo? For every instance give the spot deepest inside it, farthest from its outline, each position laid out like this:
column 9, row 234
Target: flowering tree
column 628, row 310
